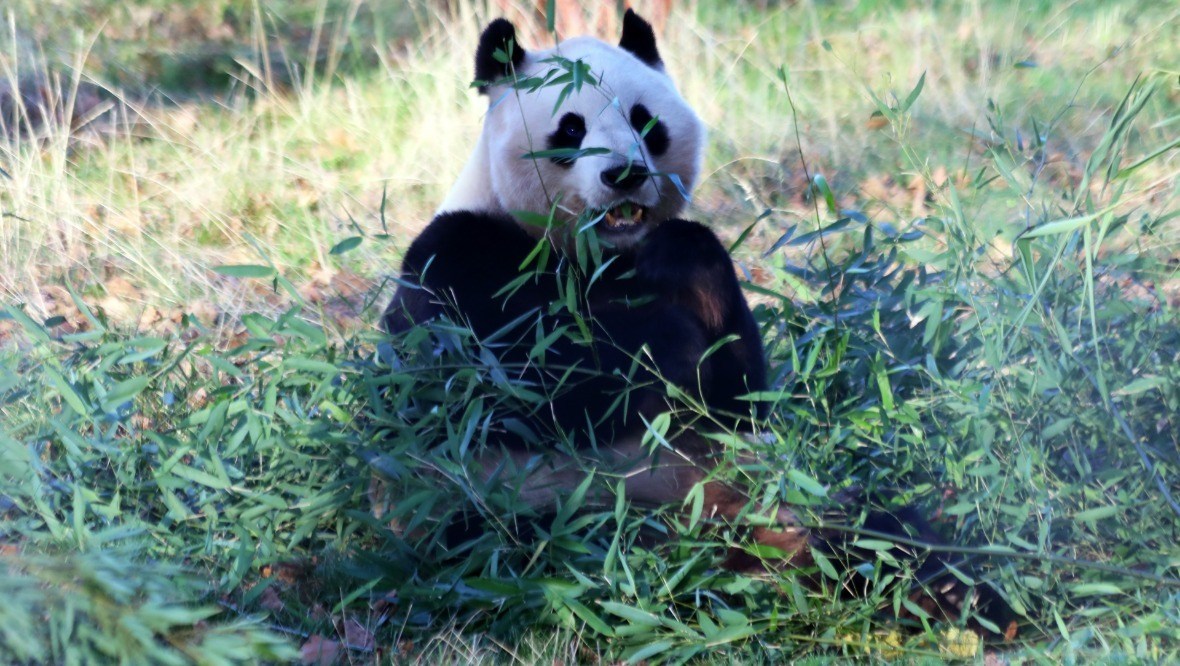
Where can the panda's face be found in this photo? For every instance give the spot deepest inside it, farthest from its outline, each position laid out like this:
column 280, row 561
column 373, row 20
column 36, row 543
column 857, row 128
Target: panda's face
column 627, row 145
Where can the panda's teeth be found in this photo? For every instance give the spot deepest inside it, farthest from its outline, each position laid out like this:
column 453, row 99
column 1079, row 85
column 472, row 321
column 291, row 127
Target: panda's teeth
column 622, row 216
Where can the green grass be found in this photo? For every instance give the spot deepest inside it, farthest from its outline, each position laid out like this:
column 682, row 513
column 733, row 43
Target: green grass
column 987, row 328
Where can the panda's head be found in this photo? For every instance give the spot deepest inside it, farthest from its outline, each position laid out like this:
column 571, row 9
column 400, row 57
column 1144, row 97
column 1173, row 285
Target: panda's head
column 598, row 130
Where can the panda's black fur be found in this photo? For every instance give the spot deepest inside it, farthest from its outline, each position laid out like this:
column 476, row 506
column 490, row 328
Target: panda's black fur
column 656, row 309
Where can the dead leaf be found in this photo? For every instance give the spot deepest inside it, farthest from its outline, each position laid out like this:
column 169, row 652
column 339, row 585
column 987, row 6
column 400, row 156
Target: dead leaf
column 116, row 309
column 994, row 658
column 320, row 651
column 198, row 399
column 939, row 176
column 149, row 318
column 348, row 284
column 356, row 635
column 387, row 601
column 759, row 275
column 918, row 187
column 296, row 572
column 205, row 311
column 58, row 303
column 270, row 600
column 885, row 190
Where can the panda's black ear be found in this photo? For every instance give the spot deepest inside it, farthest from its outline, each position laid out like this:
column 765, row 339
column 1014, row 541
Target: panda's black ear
column 500, row 35
column 640, row 39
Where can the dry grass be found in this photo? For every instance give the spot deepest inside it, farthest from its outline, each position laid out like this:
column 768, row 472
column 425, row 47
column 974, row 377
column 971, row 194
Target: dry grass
column 151, row 194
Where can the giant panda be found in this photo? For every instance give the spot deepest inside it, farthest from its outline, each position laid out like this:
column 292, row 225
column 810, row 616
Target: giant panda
column 605, row 167
column 620, row 154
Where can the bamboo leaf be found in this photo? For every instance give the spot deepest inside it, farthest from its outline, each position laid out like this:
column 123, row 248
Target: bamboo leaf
column 913, row 96
column 806, row 483
column 124, row 391
column 246, row 271
column 350, row 243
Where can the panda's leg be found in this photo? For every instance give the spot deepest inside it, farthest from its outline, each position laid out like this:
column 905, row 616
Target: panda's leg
column 542, row 481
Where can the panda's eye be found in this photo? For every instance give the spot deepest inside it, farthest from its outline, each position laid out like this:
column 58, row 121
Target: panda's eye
column 571, row 129
column 656, row 138
column 574, row 131
column 572, row 126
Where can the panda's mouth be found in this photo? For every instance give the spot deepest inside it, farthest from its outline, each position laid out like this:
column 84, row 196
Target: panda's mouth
column 623, row 217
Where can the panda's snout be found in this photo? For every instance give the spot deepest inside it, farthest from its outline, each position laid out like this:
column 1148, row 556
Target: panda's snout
column 623, row 179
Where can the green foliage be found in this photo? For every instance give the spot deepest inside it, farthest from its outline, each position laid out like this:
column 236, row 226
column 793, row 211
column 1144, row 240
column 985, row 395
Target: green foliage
column 107, row 604
column 129, row 452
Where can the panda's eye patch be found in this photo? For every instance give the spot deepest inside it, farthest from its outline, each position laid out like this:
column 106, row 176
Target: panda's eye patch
column 656, row 138
column 571, row 129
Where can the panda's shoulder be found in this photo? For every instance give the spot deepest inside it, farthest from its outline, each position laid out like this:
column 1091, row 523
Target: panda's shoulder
column 677, row 239
column 468, row 238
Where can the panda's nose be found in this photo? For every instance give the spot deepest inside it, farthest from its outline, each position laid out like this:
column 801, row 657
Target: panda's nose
column 615, row 179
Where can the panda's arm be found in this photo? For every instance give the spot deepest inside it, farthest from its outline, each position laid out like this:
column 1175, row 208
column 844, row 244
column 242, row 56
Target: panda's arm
column 457, row 266
column 685, row 263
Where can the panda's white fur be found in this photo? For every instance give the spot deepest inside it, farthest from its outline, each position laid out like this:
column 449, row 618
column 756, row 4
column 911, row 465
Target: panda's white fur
column 499, row 179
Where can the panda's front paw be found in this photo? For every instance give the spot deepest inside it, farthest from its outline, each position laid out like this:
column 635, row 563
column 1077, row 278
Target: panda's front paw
column 685, row 262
